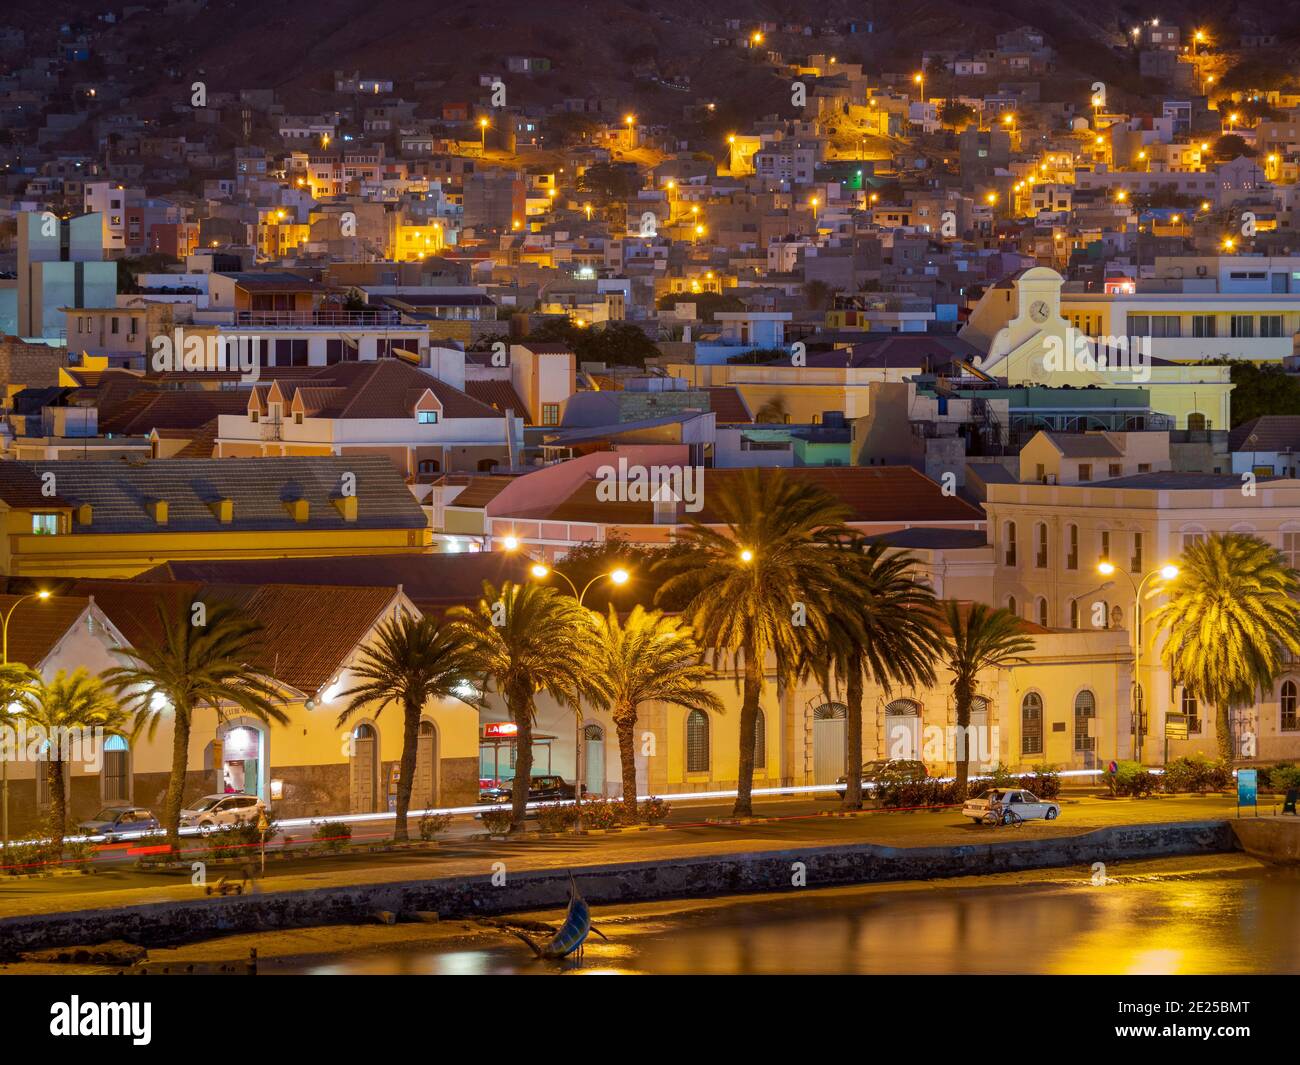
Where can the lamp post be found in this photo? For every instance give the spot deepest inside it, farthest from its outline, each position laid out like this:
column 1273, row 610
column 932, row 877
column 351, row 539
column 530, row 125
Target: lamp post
column 4, row 755
column 1166, row 573
column 619, row 576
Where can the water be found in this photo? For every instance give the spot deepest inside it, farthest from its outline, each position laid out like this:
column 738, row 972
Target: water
column 1229, row 915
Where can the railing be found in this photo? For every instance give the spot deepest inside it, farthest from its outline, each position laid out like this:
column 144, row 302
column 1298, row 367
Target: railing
column 319, row 319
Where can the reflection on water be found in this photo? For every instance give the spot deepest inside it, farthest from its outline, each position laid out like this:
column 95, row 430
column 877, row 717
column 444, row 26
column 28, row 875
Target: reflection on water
column 1233, row 921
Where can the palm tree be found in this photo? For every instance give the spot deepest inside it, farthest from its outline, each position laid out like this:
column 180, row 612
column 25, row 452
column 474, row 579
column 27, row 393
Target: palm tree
column 978, row 638
column 16, row 682
column 412, row 661
column 886, row 631
column 764, row 584
column 1230, row 618
column 529, row 638
column 187, row 666
column 69, row 703
column 649, row 658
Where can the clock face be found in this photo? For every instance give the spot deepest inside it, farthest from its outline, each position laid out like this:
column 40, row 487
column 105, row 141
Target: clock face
column 1038, row 311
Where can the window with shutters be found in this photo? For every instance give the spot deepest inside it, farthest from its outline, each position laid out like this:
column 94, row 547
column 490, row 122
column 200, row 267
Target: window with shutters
column 116, row 773
column 697, row 742
column 1031, row 724
column 1009, row 541
column 1192, row 709
column 1085, row 710
column 1288, row 723
column 1135, row 562
column 1042, row 611
column 1040, row 556
column 1072, row 547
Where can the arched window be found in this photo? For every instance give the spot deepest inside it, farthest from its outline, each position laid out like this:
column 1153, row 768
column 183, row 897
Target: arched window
column 1031, row 724
column 115, row 777
column 1085, row 709
column 697, row 742
column 1196, row 421
column 1011, row 603
column 760, row 740
column 1289, row 706
column 1040, row 611
column 1009, row 541
column 1072, row 547
column 1074, row 613
column 1040, row 555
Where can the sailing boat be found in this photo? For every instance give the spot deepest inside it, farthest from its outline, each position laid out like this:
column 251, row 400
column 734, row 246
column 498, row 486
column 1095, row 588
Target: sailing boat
column 572, row 933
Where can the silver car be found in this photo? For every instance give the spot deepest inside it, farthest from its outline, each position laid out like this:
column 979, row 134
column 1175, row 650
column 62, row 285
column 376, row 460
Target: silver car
column 1009, row 805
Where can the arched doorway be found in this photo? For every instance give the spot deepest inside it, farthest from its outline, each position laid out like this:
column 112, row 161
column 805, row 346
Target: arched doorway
column 903, row 730
column 364, row 769
column 115, row 777
column 424, row 794
column 242, row 760
column 830, row 742
column 593, row 759
column 978, row 743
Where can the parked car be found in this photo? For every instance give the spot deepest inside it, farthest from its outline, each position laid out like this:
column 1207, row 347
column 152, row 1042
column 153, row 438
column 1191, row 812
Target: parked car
column 1006, row 804
column 885, row 771
column 550, row 788
column 116, row 822
column 216, row 811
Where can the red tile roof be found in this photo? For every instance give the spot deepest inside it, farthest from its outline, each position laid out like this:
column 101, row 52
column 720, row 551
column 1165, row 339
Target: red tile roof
column 22, row 488
column 500, row 395
column 37, row 626
column 729, row 405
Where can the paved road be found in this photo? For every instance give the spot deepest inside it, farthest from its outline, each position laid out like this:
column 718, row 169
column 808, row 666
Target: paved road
column 789, row 825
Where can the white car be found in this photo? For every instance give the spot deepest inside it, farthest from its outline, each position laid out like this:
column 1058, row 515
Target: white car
column 216, row 811
column 1007, row 805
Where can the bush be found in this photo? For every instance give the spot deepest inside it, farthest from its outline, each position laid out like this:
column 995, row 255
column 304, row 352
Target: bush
column 1197, row 774
column 238, row 840
column 149, row 843
column 497, row 822
column 1000, row 776
column 1283, row 777
column 1045, row 782
column 912, row 794
column 332, row 835
column 1130, row 779
column 556, row 818
column 431, row 824
column 78, row 855
column 25, row 859
column 601, row 813
column 653, row 811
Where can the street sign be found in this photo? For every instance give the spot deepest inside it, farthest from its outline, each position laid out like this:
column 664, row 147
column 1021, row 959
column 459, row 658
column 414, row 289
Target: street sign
column 1247, row 789
column 1175, row 726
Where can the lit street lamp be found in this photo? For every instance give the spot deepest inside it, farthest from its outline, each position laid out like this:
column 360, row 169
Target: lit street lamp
column 1166, row 573
column 4, row 755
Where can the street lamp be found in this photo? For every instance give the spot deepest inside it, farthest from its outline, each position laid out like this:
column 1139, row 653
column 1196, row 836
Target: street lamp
column 1166, row 573
column 4, row 755
column 483, row 126
column 618, row 576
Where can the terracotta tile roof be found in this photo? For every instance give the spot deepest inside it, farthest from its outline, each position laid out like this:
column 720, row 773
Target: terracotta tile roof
column 1084, row 446
column 500, row 395
column 481, row 491
column 729, row 406
column 874, row 495
column 38, row 626
column 21, row 487
column 389, row 388
column 1272, row 432
column 202, row 443
column 171, row 409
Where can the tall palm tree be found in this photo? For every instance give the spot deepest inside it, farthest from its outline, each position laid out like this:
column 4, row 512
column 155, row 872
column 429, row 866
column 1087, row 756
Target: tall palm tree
column 529, row 638
column 886, row 631
column 412, row 661
column 185, row 667
column 76, row 703
column 763, row 584
column 17, row 681
column 1230, row 616
column 978, row 637
column 651, row 657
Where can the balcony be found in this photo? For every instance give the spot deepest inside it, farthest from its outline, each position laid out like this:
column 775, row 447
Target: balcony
column 376, row 319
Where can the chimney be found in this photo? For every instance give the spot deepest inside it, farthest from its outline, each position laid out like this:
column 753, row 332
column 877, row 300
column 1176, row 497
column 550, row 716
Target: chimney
column 298, row 509
column 84, row 514
column 158, row 510
column 347, row 506
column 223, row 510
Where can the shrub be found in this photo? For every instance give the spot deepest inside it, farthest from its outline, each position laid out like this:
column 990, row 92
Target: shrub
column 78, row 855
column 152, row 842
column 431, row 824
column 1132, row 780
column 238, row 840
column 37, row 856
column 1284, row 777
column 556, row 818
column 1000, row 776
column 497, row 822
column 1196, row 773
column 1045, row 782
column 332, row 835
column 911, row 794
column 601, row 813
column 653, row 811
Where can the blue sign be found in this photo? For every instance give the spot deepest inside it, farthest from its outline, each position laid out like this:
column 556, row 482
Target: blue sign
column 1247, row 786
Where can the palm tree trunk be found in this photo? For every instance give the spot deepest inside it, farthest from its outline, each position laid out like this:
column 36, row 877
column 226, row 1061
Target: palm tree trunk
column 853, row 693
column 176, row 782
column 406, row 769
column 748, row 722
column 58, row 803
column 1223, row 732
column 521, row 714
column 962, row 689
column 625, row 726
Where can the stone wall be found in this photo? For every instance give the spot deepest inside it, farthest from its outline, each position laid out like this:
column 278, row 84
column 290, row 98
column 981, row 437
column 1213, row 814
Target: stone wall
column 32, row 365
